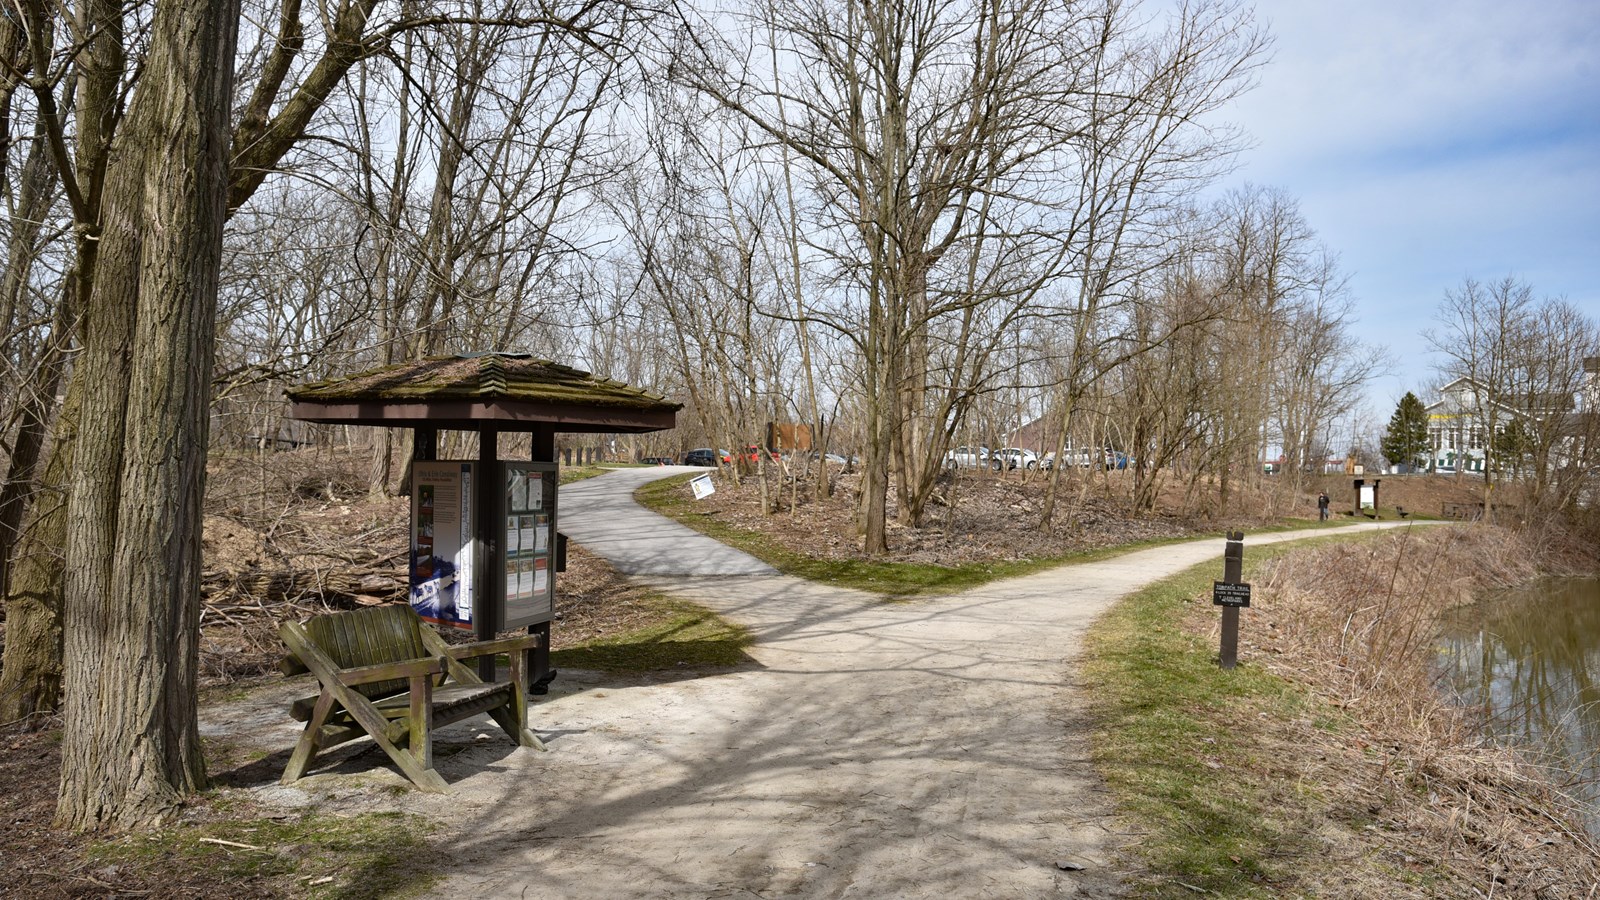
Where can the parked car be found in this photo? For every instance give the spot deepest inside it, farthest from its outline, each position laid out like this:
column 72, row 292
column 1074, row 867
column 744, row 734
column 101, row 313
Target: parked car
column 1116, row 459
column 832, row 459
column 752, row 454
column 705, row 456
column 655, row 460
column 971, row 458
column 1078, row 458
column 1017, row 458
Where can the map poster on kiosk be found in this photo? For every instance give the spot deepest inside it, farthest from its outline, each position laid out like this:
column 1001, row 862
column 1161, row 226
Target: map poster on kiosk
column 441, row 541
column 530, row 522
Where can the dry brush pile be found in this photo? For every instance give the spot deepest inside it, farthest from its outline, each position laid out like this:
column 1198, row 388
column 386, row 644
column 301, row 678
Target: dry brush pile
column 1358, row 623
column 290, row 534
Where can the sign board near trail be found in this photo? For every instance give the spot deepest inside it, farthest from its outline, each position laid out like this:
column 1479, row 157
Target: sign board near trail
column 1227, row 594
column 786, row 436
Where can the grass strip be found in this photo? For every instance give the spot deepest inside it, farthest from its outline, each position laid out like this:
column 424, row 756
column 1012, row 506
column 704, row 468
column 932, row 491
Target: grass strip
column 892, row 579
column 317, row 855
column 1180, row 742
column 677, row 633
column 570, row 474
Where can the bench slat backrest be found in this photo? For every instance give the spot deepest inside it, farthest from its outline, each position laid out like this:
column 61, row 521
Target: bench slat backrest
column 369, row 637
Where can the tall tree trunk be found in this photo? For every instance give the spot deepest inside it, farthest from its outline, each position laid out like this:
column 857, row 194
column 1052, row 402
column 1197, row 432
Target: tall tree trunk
column 38, row 407
column 131, row 748
column 36, row 590
column 30, row 672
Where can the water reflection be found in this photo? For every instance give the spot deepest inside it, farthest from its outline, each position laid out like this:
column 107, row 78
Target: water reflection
column 1531, row 657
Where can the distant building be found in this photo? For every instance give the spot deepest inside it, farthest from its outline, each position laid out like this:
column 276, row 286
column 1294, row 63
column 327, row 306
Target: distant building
column 1040, row 435
column 1459, row 422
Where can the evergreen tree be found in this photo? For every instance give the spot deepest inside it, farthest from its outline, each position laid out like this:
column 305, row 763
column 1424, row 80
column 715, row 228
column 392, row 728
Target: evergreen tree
column 1407, row 436
column 1512, row 447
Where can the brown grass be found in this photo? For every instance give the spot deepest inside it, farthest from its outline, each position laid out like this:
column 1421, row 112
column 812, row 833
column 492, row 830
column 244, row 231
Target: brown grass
column 1356, row 623
column 974, row 517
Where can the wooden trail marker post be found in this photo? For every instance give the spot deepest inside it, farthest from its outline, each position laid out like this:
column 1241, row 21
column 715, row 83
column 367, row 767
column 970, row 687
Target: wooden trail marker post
column 1231, row 594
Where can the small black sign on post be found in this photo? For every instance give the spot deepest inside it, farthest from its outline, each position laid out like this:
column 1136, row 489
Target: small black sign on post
column 1231, row 594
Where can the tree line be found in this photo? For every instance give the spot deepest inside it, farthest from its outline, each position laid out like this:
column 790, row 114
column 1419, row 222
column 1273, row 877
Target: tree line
column 912, row 224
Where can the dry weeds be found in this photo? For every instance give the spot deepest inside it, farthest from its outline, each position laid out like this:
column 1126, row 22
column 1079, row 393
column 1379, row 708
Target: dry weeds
column 1357, row 624
column 974, row 517
column 287, row 535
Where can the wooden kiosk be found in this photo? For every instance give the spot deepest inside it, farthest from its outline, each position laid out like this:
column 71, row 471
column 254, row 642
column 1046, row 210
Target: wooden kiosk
column 484, row 542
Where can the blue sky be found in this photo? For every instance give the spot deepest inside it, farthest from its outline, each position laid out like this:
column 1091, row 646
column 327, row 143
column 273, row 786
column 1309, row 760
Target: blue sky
column 1430, row 141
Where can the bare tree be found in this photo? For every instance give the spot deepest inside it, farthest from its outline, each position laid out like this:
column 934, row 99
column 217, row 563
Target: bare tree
column 1480, row 329
column 938, row 139
column 78, row 91
column 131, row 747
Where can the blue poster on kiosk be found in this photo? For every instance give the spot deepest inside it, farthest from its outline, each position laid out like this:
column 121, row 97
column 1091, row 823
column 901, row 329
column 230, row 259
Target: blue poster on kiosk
column 441, row 542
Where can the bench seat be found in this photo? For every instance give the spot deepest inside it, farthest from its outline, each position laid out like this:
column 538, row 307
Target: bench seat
column 383, row 674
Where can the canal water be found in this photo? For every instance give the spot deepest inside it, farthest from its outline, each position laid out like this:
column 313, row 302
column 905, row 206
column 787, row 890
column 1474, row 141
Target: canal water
column 1531, row 658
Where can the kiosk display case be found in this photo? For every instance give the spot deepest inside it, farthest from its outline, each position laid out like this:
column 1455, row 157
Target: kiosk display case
column 528, row 509
column 442, row 545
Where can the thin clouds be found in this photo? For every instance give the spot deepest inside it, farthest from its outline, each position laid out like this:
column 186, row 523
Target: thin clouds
column 1433, row 141
column 1368, row 78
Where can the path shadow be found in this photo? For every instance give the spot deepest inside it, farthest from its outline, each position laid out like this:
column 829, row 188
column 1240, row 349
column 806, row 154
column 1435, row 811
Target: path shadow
column 665, row 662
column 458, row 752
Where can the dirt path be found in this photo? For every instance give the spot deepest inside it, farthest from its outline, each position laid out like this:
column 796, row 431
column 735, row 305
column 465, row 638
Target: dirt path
column 924, row 749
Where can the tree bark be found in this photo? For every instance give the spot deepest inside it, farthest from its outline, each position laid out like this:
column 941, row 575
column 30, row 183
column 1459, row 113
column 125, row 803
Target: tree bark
column 131, row 748
column 31, row 675
column 27, row 447
column 30, row 671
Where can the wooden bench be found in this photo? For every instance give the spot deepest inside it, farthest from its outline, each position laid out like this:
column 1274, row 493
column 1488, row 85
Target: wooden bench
column 1401, row 510
column 383, row 674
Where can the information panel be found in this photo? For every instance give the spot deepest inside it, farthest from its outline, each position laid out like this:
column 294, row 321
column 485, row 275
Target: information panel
column 441, row 541
column 1225, row 593
column 530, row 526
column 1369, row 497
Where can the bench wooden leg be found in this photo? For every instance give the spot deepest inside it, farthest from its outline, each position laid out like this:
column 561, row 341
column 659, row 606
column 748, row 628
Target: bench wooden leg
column 425, row 778
column 306, row 749
column 517, row 731
column 420, row 740
column 517, row 728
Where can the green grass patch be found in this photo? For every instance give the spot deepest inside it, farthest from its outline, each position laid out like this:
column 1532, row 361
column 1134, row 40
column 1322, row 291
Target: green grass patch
column 1176, row 739
column 311, row 855
column 892, row 579
column 570, row 474
column 678, row 634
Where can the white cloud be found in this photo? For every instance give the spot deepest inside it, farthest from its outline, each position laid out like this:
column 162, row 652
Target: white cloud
column 1430, row 141
column 1367, row 77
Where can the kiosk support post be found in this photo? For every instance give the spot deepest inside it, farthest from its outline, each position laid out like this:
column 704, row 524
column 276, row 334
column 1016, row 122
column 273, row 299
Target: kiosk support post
column 424, row 444
column 542, row 449
column 486, row 561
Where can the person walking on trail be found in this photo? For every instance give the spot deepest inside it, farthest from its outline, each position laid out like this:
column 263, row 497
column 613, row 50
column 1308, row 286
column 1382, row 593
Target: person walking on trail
column 1322, row 506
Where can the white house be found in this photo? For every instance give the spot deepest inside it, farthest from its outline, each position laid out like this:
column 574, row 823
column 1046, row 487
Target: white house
column 1459, row 421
